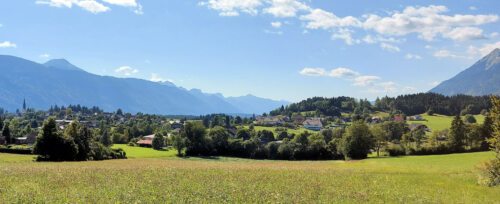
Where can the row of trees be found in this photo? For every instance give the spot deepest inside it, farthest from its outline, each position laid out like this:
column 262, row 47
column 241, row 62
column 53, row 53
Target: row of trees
column 76, row 143
column 411, row 104
column 353, row 143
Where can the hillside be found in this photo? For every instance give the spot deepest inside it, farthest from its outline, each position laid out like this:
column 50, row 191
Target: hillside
column 59, row 82
column 480, row 79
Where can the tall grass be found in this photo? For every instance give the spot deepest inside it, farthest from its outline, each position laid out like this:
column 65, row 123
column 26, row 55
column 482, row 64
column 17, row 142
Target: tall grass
column 418, row 179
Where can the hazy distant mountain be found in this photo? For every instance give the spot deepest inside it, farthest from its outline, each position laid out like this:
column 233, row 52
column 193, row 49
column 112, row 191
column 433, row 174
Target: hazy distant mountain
column 255, row 104
column 482, row 78
column 59, row 82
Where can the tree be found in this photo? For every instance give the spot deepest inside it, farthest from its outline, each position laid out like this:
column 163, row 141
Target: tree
column 457, row 134
column 490, row 175
column 266, row 136
column 6, row 133
column 243, row 134
column 486, row 132
column 53, row 146
column 380, row 136
column 470, row 119
column 238, row 120
column 106, row 139
column 158, row 141
column 195, row 134
column 219, row 137
column 82, row 137
column 357, row 141
column 179, row 143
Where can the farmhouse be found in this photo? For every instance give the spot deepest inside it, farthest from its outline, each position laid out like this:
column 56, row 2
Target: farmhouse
column 415, row 118
column 147, row 141
column 313, row 124
column 176, row 125
column 269, row 121
column 417, row 126
column 399, row 118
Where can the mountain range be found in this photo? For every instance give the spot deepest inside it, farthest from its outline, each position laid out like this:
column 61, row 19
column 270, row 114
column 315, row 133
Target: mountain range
column 58, row 82
column 482, row 78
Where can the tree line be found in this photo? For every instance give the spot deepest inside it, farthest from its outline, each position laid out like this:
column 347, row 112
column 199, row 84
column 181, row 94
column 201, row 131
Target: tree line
column 410, row 104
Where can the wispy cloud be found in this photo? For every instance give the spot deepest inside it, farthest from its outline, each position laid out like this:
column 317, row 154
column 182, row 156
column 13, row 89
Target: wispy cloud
column 126, row 70
column 7, row 44
column 369, row 83
column 93, row 6
column 427, row 22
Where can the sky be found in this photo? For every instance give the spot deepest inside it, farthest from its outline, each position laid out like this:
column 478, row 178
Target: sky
column 278, row 49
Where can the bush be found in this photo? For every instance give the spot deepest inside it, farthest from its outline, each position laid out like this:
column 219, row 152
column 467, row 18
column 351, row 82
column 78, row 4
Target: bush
column 396, row 150
column 490, row 173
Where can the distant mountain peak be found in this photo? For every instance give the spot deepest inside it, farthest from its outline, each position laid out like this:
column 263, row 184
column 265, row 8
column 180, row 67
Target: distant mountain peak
column 492, row 59
column 61, row 64
column 482, row 78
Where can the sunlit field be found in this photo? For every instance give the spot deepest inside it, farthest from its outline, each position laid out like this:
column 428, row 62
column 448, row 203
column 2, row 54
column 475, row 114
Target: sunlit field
column 415, row 179
column 441, row 122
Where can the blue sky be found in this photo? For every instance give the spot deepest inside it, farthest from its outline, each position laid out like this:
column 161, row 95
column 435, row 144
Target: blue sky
column 279, row 49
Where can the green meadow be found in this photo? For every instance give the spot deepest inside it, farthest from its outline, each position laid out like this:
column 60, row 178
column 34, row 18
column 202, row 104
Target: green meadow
column 164, row 178
column 441, row 122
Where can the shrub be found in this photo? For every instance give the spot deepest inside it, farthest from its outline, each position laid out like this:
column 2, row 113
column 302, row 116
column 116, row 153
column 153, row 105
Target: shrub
column 490, row 173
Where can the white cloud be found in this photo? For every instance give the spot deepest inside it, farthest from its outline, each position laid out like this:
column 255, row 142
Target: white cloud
column 343, row 72
column 126, row 3
column 446, row 54
column 276, row 24
column 7, row 44
column 89, row 5
column 232, row 7
column 465, row 33
column 371, row 84
column 156, row 78
column 346, row 35
column 472, row 8
column 57, row 3
column 45, row 55
column 92, row 6
column 484, row 49
column 413, row 56
column 126, row 70
column 369, row 39
column 365, row 80
column 321, row 19
column 427, row 22
column 285, row 8
column 389, row 47
column 313, row 71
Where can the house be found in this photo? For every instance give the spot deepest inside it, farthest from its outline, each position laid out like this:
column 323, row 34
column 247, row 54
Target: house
column 28, row 139
column 146, row 141
column 298, row 118
column 415, row 118
column 416, row 126
column 314, row 124
column 269, row 121
column 399, row 118
column 176, row 125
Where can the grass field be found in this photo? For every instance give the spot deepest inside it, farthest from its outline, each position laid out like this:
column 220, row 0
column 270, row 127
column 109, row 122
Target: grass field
column 142, row 152
column 441, row 122
column 416, row 179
